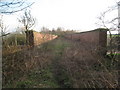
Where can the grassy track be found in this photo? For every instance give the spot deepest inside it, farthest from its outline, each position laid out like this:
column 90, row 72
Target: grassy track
column 60, row 63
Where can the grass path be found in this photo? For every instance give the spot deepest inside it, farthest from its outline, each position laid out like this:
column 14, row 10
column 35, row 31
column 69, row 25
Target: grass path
column 48, row 71
column 50, row 76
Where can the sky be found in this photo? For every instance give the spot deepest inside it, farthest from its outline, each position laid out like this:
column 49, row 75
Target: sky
column 80, row 15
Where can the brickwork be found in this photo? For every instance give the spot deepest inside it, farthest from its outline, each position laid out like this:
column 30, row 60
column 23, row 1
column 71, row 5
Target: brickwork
column 35, row 38
column 29, row 38
column 97, row 38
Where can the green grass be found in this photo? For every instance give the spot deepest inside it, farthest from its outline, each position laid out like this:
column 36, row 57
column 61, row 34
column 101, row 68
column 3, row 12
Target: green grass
column 43, row 79
column 114, row 54
column 113, row 35
column 36, row 79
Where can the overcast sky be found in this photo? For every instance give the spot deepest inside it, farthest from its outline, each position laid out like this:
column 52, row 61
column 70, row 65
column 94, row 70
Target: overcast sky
column 70, row 14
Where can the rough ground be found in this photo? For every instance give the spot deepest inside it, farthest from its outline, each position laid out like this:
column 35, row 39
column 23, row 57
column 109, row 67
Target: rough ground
column 60, row 63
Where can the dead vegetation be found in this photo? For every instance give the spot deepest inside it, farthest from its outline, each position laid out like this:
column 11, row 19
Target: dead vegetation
column 60, row 63
column 88, row 69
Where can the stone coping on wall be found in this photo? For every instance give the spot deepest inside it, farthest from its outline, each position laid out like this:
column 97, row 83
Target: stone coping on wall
column 99, row 29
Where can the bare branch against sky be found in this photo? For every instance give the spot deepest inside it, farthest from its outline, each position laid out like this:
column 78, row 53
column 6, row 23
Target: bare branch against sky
column 27, row 20
column 80, row 15
column 12, row 6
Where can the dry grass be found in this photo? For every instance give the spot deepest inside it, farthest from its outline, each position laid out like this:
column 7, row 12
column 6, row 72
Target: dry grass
column 87, row 68
column 12, row 49
column 73, row 64
column 16, row 65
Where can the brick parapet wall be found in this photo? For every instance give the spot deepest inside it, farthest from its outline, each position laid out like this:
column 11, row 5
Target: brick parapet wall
column 42, row 38
column 35, row 38
column 29, row 38
column 96, row 38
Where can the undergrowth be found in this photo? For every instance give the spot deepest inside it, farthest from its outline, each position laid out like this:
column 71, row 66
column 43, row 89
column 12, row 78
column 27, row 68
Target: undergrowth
column 60, row 63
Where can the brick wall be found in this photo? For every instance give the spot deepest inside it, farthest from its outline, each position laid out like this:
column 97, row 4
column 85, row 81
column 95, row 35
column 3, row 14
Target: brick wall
column 96, row 38
column 36, row 38
column 29, row 38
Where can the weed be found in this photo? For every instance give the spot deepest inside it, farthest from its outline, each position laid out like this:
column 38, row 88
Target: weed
column 60, row 63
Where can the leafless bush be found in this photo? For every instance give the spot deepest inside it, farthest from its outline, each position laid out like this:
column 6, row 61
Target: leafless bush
column 86, row 67
column 18, row 64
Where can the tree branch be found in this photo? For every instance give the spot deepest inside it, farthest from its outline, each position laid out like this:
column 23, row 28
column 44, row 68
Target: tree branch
column 15, row 4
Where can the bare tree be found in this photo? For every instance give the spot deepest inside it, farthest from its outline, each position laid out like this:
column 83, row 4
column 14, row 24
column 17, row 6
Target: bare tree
column 27, row 20
column 12, row 6
column 110, row 25
column 3, row 29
